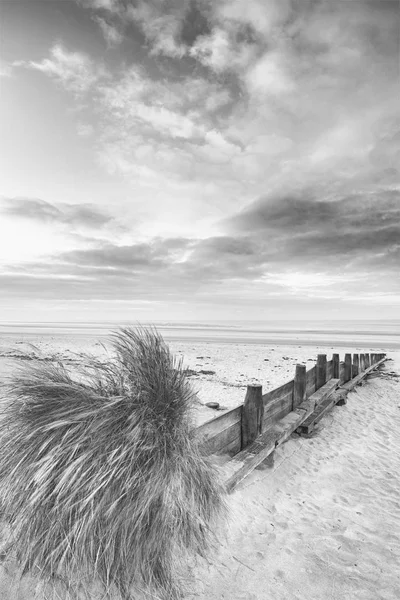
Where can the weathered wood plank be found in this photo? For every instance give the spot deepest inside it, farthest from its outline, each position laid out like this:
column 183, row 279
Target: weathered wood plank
column 232, row 448
column 320, row 410
column 350, row 385
column 248, row 459
column 279, row 392
column 277, row 411
column 215, row 426
column 218, row 442
column 325, row 391
column 252, row 414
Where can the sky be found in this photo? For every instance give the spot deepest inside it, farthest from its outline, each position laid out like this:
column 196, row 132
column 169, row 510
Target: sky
column 199, row 160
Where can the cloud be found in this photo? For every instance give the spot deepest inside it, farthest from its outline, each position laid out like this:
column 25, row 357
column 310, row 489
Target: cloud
column 5, row 69
column 348, row 233
column 111, row 34
column 75, row 71
column 86, row 215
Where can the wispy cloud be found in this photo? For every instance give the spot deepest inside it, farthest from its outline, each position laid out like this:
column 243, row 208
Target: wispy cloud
column 112, row 34
column 75, row 71
column 87, row 215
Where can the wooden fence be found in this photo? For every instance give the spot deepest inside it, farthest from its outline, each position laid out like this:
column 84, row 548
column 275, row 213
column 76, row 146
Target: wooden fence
column 234, row 430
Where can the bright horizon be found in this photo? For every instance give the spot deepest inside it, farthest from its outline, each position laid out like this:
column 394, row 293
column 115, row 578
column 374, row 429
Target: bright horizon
column 197, row 162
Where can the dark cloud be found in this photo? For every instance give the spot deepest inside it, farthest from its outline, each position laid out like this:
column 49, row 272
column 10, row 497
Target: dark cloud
column 87, row 215
column 143, row 256
column 298, row 228
column 195, row 23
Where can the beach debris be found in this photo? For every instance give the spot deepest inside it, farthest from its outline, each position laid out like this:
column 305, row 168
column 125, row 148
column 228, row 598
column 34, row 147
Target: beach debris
column 190, row 373
column 214, row 405
column 205, row 372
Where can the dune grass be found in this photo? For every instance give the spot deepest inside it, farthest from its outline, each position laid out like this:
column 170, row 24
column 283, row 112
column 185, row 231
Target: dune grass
column 101, row 479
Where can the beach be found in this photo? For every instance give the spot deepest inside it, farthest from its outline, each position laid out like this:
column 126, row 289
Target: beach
column 321, row 520
column 220, row 360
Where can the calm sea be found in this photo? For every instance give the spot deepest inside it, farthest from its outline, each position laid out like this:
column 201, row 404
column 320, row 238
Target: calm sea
column 382, row 334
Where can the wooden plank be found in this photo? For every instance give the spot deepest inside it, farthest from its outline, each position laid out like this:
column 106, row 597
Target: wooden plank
column 217, row 443
column 337, row 397
column 276, row 411
column 325, row 391
column 215, row 426
column 321, row 408
column 329, row 370
column 299, row 385
column 248, row 459
column 232, row 448
column 279, row 392
column 350, row 385
column 252, row 414
column 310, row 381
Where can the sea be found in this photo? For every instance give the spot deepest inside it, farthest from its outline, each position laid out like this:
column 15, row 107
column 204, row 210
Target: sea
column 382, row 334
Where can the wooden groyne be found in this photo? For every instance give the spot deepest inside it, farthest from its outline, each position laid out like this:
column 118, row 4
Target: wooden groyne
column 252, row 431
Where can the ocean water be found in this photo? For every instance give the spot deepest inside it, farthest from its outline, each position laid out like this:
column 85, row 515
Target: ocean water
column 379, row 334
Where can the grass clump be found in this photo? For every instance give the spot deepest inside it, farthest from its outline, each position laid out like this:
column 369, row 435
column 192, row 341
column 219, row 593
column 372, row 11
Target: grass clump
column 101, row 479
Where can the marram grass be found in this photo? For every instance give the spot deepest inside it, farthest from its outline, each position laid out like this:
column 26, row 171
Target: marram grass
column 101, row 479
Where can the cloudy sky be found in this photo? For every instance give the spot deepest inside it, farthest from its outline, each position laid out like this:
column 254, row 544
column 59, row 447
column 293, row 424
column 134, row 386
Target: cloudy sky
column 199, row 159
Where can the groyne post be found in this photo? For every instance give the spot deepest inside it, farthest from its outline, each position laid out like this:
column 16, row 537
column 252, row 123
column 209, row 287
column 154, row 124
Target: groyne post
column 347, row 368
column 320, row 371
column 356, row 365
column 252, row 415
column 299, row 389
column 336, row 366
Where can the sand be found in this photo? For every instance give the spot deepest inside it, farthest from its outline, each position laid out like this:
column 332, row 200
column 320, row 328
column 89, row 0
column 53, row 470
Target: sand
column 323, row 521
column 233, row 366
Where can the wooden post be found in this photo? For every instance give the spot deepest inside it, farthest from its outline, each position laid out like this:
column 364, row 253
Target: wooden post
column 362, row 362
column 336, row 366
column 356, row 365
column 347, row 368
column 252, row 414
column 373, row 358
column 320, row 371
column 342, row 371
column 299, row 389
column 367, row 361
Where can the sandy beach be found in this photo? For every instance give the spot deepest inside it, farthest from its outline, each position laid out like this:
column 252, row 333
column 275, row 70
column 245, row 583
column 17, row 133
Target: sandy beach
column 323, row 522
column 218, row 371
column 319, row 523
